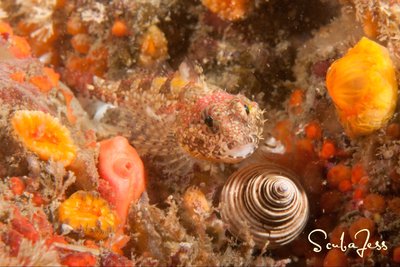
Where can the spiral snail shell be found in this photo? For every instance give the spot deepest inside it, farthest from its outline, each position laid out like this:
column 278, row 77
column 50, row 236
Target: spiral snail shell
column 266, row 201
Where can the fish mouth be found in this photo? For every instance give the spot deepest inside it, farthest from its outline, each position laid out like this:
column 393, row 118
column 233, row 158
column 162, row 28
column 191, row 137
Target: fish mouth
column 241, row 151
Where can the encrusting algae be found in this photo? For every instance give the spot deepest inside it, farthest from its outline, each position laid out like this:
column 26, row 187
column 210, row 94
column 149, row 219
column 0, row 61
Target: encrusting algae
column 363, row 87
column 44, row 135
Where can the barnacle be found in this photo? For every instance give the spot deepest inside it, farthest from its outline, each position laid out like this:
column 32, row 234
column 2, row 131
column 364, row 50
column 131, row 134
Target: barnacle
column 44, row 135
column 363, row 87
column 90, row 213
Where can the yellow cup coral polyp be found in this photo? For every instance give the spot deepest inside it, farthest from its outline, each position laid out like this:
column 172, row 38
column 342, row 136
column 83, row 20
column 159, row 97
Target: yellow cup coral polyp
column 363, row 87
column 44, row 135
column 90, row 213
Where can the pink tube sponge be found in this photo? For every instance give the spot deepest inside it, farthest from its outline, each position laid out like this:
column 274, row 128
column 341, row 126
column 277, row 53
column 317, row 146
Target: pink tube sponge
column 122, row 168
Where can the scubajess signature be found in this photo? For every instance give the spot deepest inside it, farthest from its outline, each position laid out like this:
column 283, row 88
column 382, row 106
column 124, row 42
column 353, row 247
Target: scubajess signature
column 377, row 245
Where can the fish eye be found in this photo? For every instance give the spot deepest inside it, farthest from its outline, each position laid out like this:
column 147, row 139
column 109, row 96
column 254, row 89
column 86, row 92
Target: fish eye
column 209, row 121
column 246, row 107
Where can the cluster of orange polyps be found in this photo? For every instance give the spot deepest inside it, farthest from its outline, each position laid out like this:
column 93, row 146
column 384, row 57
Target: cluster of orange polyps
column 230, row 10
column 44, row 135
column 90, row 213
column 363, row 87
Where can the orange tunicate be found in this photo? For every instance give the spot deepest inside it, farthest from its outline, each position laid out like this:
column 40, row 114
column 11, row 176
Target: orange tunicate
column 393, row 130
column 313, row 130
column 358, row 194
column 75, row 26
column 81, row 43
column 119, row 29
column 360, row 226
column 18, row 76
column 5, row 28
column 44, row 135
column 374, row 203
column 121, row 166
column 90, row 213
column 335, row 258
column 338, row 174
column 336, row 235
column 328, row 150
column 363, row 87
column 154, row 46
column 228, row 9
column 370, row 25
column 283, row 132
column 97, row 59
column 52, row 76
column 296, row 98
column 396, row 254
column 394, row 205
column 20, row 48
column 304, row 147
column 345, row 186
column 45, row 82
column 295, row 101
column 357, row 172
column 42, row 83
column 68, row 96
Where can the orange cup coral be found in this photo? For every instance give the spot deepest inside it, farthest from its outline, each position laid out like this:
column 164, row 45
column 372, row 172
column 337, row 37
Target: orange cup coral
column 363, row 87
column 44, row 135
column 90, row 213
column 121, row 166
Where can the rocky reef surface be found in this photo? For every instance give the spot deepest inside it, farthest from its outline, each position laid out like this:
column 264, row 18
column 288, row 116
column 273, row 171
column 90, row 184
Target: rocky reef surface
column 199, row 133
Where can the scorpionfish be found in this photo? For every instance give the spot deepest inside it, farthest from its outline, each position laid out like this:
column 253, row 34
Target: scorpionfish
column 180, row 119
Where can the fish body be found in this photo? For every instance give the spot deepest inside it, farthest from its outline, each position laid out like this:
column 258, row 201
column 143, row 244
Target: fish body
column 180, row 119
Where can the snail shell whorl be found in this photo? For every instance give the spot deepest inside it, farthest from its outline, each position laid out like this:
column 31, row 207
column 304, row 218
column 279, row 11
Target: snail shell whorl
column 266, row 199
